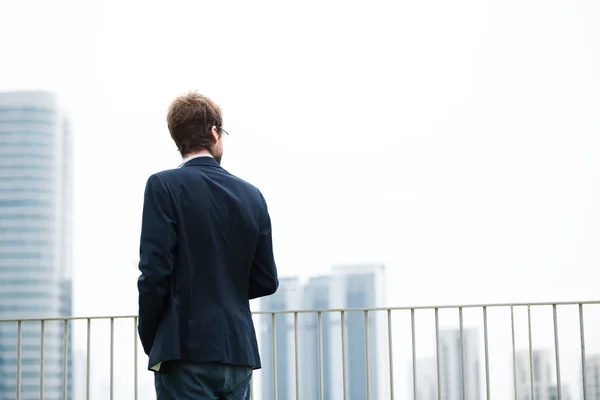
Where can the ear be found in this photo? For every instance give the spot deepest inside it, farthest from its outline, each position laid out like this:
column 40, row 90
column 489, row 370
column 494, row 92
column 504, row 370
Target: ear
column 215, row 134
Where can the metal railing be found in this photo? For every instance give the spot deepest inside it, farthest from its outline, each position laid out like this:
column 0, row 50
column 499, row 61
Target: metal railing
column 341, row 353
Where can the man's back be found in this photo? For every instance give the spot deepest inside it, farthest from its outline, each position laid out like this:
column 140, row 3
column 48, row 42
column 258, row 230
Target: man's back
column 218, row 231
column 205, row 251
column 220, row 219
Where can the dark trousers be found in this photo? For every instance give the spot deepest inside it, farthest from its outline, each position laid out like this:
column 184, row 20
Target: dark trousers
column 202, row 381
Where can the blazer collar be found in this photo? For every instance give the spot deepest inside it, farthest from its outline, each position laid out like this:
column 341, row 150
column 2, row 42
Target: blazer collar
column 201, row 161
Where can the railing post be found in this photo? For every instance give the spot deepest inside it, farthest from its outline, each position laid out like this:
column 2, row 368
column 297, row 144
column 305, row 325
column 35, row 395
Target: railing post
column 462, row 355
column 414, row 352
column 367, row 356
column 390, row 353
column 530, row 353
column 112, row 354
column 296, row 356
column 42, row 329
column 88, row 360
column 135, row 359
column 583, row 371
column 557, row 354
column 65, row 358
column 320, row 352
column 274, row 352
column 437, row 354
column 487, row 361
column 344, row 368
column 514, row 350
column 19, row 356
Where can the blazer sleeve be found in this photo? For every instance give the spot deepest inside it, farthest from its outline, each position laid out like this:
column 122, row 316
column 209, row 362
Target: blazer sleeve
column 263, row 274
column 157, row 247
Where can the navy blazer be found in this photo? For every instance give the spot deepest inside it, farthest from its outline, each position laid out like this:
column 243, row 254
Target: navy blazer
column 205, row 251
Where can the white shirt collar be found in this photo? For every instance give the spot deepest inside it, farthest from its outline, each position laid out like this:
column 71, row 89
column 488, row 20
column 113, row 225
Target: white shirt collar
column 185, row 160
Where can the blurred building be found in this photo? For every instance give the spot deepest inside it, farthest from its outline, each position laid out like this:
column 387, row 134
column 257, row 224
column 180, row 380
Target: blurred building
column 35, row 240
column 592, row 376
column 345, row 287
column 427, row 388
column 450, row 360
column 358, row 286
column 451, row 378
column 544, row 376
column 287, row 297
column 316, row 297
column 565, row 393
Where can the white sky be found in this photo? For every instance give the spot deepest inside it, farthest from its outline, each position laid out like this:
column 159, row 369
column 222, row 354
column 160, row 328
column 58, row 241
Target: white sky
column 456, row 142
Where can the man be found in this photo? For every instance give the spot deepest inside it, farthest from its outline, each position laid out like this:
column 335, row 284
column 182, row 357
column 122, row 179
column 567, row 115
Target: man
column 205, row 251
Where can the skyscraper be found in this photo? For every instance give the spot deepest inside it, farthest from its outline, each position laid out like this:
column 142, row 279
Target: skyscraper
column 358, row 286
column 35, row 240
column 345, row 287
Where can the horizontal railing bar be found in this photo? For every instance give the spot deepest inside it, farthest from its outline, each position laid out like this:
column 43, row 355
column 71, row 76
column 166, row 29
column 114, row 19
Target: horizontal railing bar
column 336, row 310
column 409, row 308
column 62, row 319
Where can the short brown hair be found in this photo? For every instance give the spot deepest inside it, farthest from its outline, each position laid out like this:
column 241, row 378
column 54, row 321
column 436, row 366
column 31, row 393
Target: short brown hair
column 190, row 120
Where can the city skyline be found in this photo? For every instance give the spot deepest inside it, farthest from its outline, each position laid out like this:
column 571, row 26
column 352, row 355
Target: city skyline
column 349, row 286
column 540, row 359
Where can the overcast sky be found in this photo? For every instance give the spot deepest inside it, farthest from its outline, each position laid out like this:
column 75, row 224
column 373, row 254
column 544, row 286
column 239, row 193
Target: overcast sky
column 457, row 142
